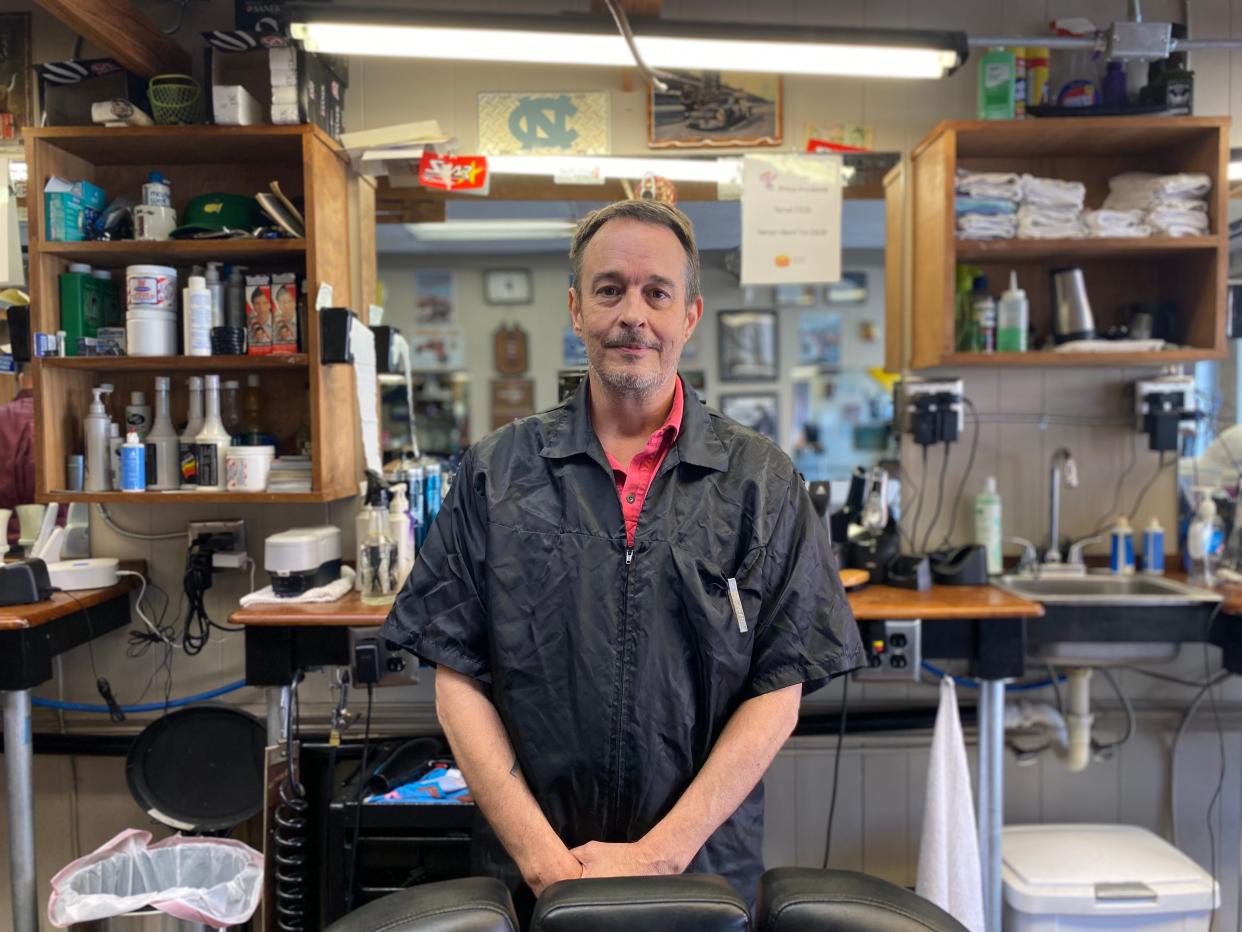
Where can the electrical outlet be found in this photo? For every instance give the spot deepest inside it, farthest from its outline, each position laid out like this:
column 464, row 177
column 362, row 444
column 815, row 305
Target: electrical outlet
column 894, row 651
column 227, row 539
column 1178, row 391
column 912, row 388
column 380, row 662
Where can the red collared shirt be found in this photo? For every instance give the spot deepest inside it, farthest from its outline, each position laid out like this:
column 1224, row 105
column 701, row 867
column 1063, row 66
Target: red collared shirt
column 633, row 483
column 17, row 453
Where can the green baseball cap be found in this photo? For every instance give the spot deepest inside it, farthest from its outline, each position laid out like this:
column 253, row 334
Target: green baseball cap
column 217, row 213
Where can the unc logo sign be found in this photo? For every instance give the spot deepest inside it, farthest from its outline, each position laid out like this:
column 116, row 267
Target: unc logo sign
column 538, row 122
column 569, row 123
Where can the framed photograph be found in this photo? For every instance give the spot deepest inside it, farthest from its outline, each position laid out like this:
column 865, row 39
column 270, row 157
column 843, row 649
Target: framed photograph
column 715, row 108
column 757, row 410
column 508, row 286
column 747, row 341
column 819, row 338
column 795, row 295
column 851, row 289
column 433, row 297
column 16, row 97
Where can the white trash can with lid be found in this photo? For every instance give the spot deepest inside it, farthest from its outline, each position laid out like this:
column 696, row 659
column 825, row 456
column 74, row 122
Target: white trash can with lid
column 1066, row 878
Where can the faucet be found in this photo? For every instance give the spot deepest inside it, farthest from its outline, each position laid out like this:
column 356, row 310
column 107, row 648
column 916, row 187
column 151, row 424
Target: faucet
column 1061, row 460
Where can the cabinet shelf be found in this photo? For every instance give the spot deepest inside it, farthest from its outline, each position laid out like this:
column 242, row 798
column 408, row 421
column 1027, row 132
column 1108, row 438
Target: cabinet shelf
column 165, row 364
column 177, row 252
column 189, row 497
column 1076, row 250
column 1049, row 359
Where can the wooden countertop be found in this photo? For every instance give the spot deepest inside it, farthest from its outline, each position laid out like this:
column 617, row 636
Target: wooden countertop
column 871, row 603
column 13, row 617
column 879, row 603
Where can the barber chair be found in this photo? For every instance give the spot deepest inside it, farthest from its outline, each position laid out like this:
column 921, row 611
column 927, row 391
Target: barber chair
column 686, row 902
column 799, row 899
column 468, row 904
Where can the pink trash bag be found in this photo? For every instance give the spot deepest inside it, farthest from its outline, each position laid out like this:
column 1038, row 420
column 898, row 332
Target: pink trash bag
column 216, row 881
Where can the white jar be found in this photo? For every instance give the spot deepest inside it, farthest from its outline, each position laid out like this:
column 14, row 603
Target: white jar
column 151, row 333
column 151, row 287
column 247, row 468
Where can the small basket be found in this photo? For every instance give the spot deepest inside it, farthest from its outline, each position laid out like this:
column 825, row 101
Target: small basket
column 175, row 98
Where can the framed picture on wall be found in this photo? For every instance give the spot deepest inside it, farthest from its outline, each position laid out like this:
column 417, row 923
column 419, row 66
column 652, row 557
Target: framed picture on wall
column 757, row 410
column 715, row 108
column 747, row 342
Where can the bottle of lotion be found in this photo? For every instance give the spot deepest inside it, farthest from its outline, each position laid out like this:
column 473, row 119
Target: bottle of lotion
column 98, row 466
column 189, row 437
column 988, row 525
column 1153, row 549
column 1121, row 547
column 163, row 445
column 198, row 317
column 213, row 440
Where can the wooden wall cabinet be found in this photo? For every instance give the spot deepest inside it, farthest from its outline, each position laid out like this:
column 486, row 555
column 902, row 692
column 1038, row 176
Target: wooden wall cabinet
column 198, row 160
column 1188, row 271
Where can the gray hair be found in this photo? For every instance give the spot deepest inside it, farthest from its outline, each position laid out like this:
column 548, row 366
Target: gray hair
column 655, row 213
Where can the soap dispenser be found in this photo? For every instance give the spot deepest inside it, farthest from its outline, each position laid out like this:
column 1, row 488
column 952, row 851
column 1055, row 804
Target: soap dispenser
column 96, row 429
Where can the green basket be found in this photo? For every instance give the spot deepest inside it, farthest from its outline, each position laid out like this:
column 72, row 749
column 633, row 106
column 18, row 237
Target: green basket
column 175, row 98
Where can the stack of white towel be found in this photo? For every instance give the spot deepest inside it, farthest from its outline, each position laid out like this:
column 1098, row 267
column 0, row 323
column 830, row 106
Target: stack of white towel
column 1119, row 223
column 987, row 205
column 1051, row 208
column 1171, row 205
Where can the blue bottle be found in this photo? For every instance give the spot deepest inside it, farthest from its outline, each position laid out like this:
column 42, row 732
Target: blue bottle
column 133, row 463
column 1153, row 549
column 1121, row 551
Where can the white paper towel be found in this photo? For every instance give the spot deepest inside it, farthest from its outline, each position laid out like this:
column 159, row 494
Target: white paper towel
column 362, row 342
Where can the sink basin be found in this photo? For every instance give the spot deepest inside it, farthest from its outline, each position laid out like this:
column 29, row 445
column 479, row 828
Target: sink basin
column 1101, row 589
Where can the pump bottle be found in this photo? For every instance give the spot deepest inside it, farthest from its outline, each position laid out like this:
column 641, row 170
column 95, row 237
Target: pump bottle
column 163, row 445
column 188, row 442
column 399, row 530
column 98, row 465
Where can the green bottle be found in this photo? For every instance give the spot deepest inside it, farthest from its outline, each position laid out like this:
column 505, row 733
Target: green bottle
column 996, row 85
column 81, row 305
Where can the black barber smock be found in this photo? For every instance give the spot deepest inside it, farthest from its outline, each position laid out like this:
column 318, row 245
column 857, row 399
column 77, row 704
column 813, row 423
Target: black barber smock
column 615, row 669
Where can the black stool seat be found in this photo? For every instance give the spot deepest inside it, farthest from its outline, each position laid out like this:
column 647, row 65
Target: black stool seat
column 800, row 899
column 683, row 903
column 471, row 904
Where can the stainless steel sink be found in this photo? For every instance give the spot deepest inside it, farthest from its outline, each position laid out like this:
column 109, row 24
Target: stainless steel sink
column 1106, row 589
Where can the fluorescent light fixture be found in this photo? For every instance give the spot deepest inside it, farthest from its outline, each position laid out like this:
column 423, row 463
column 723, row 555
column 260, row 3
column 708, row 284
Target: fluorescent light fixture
column 593, row 40
column 607, row 168
column 482, row 230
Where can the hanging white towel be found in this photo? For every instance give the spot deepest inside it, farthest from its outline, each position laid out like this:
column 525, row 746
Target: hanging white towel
column 949, row 871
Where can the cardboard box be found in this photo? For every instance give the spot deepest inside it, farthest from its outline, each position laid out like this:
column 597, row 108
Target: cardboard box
column 67, row 89
column 233, row 105
column 259, row 314
column 284, row 314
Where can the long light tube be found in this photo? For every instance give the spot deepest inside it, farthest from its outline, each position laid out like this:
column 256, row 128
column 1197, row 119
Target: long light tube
column 605, row 168
column 484, row 230
column 859, row 53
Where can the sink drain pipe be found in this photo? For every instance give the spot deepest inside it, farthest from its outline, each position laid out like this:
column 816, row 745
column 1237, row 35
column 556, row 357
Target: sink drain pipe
column 1071, row 733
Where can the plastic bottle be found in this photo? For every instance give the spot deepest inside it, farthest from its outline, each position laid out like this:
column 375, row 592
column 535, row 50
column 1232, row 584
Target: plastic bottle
column 415, row 482
column 157, row 192
column 133, row 463
column 1114, row 85
column 252, row 410
column 81, row 305
column 996, row 85
column 213, row 440
column 1037, row 58
column 983, row 308
column 362, row 528
column 230, row 408
column 1153, row 549
column 1013, row 318
column 110, row 306
column 198, row 317
column 96, row 430
column 988, row 525
column 163, row 445
column 433, row 491
column 235, row 298
column 399, row 531
column 377, row 559
column 1019, row 83
column 1121, row 547
column 215, row 285
column 1204, row 544
column 114, row 453
column 138, row 414
column 188, row 441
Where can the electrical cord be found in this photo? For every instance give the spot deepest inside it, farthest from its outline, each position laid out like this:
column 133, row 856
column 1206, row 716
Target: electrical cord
column 351, row 866
column 836, row 767
column 135, row 535
column 944, row 468
column 1101, row 750
column 1177, row 739
column 1106, row 520
column 1138, row 502
column 197, row 580
column 654, row 75
column 102, row 686
column 970, row 466
column 918, row 509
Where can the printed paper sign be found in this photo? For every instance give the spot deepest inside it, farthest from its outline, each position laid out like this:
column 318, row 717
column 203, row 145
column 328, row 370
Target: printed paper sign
column 791, row 219
column 453, row 172
column 544, row 124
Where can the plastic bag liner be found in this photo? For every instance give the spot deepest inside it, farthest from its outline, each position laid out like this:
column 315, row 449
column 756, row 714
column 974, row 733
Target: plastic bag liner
column 209, row 880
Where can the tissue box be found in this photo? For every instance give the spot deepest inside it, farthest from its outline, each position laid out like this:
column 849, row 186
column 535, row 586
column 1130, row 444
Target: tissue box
column 233, row 105
column 70, row 209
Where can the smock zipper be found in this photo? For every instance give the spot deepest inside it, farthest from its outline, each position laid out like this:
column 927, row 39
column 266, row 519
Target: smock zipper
column 619, row 723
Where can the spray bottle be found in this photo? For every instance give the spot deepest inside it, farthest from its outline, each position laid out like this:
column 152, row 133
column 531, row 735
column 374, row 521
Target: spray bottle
column 377, row 552
column 95, row 426
column 400, row 531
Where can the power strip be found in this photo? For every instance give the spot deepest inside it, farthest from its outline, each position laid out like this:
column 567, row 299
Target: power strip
column 894, row 651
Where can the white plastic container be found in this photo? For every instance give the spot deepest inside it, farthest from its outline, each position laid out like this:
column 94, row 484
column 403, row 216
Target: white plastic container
column 151, row 333
column 246, row 468
column 151, row 287
column 197, row 318
column 988, row 525
column 1094, row 877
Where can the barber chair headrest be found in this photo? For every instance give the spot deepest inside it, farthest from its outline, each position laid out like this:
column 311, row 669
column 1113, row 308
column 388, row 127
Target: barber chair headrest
column 471, row 904
column 800, row 899
column 702, row 902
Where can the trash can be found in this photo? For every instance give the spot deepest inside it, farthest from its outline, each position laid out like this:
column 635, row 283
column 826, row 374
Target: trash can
column 1093, row 877
column 176, row 885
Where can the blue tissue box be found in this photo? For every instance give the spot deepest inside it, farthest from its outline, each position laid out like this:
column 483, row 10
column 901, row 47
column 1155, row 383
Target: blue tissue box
column 70, row 209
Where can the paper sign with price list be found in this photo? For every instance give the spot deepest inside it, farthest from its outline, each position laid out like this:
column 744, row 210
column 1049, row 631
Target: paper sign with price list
column 791, row 219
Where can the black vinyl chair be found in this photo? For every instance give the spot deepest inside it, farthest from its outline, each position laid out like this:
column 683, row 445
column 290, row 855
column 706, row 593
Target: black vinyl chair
column 470, row 904
column 799, row 899
column 682, row 903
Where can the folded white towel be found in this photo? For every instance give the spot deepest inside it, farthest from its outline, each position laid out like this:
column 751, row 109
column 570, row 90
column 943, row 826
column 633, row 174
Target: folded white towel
column 329, row 593
column 1185, row 184
column 1052, row 192
column 1175, row 222
column 1120, row 223
column 1111, row 346
column 1003, row 185
column 981, row 226
column 1049, row 223
column 949, row 871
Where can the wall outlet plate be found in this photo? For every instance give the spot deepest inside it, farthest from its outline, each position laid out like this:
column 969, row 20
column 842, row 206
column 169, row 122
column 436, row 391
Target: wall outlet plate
column 894, row 651
column 228, row 537
column 910, row 388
